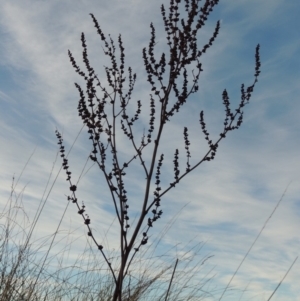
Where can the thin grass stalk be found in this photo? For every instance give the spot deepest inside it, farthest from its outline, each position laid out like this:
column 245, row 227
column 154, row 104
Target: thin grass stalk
column 254, row 242
column 282, row 279
column 171, row 280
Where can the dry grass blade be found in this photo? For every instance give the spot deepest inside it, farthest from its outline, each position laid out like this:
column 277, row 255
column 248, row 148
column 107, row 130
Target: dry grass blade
column 283, row 278
column 171, row 280
column 258, row 235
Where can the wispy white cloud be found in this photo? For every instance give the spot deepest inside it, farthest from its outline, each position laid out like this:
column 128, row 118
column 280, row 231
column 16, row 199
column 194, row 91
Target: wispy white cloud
column 229, row 198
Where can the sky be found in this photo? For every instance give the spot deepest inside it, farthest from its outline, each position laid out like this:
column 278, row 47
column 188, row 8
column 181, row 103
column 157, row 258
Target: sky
column 223, row 204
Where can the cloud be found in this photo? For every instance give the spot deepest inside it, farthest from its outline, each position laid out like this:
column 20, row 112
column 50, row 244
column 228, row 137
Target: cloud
column 229, row 198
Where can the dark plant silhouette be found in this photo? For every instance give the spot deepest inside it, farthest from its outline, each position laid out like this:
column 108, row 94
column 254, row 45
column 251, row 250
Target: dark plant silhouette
column 105, row 108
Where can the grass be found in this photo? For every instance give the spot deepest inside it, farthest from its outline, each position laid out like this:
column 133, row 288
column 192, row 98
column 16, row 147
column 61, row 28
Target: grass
column 34, row 269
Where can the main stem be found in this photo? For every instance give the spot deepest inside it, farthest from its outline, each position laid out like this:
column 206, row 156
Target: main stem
column 125, row 254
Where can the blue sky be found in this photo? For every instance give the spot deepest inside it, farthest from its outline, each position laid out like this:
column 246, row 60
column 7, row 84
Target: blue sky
column 228, row 199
